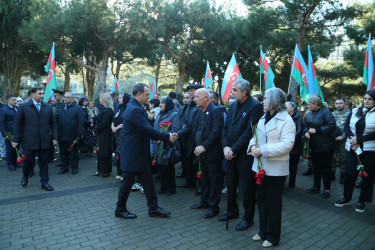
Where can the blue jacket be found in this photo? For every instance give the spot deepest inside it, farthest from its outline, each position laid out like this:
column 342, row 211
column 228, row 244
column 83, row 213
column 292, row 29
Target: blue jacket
column 7, row 116
column 135, row 142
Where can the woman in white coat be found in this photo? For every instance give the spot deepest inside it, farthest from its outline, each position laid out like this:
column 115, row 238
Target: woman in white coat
column 275, row 135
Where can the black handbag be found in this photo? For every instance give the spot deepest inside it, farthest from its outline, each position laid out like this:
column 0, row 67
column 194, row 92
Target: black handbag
column 169, row 156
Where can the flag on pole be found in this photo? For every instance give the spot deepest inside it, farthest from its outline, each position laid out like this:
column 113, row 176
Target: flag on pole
column 265, row 68
column 299, row 71
column 368, row 69
column 115, row 87
column 312, row 79
column 153, row 90
column 232, row 74
column 51, row 79
column 208, row 77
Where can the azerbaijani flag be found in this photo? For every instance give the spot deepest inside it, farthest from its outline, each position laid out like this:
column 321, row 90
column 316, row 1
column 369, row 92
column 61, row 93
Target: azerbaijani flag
column 312, row 79
column 208, row 77
column 153, row 90
column 368, row 69
column 299, row 71
column 267, row 71
column 115, row 87
column 51, row 79
column 232, row 74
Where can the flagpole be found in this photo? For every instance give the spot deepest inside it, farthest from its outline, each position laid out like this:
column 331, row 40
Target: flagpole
column 291, row 68
column 260, row 74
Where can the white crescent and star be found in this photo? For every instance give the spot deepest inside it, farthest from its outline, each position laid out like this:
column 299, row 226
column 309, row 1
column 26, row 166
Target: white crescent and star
column 234, row 76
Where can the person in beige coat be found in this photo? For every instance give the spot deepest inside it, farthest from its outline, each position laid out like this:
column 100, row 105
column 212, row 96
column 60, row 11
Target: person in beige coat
column 275, row 135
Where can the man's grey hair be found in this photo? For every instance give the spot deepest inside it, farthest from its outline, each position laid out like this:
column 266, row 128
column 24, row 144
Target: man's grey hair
column 276, row 99
column 69, row 93
column 243, row 85
column 205, row 91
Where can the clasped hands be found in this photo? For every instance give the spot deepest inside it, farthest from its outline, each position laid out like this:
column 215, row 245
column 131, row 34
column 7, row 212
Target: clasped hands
column 228, row 153
column 353, row 142
column 311, row 131
column 255, row 151
column 173, row 137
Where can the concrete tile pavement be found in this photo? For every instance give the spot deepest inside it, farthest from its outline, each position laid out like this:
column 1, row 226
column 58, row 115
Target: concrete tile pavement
column 79, row 214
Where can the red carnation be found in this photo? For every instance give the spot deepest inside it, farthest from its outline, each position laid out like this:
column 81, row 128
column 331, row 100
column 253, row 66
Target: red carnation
column 360, row 174
column 18, row 160
column 306, row 157
column 259, row 181
column 117, row 158
column 71, row 147
column 364, row 174
column 154, row 163
column 262, row 172
column 97, row 150
column 24, row 157
column 199, row 175
column 256, row 176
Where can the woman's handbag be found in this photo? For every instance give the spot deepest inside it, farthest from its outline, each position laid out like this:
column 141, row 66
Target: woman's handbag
column 169, row 156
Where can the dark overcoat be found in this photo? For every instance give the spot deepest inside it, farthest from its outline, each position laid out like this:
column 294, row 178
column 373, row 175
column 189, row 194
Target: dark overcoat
column 135, row 139
column 211, row 134
column 70, row 122
column 104, row 132
column 7, row 116
column 33, row 128
column 237, row 130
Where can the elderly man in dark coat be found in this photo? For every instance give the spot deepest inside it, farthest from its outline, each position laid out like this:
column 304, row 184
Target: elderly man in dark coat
column 205, row 129
column 135, row 155
column 244, row 113
column 35, row 122
column 70, row 120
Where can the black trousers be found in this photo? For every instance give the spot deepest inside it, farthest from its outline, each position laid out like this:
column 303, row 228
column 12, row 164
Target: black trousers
column 43, row 157
column 104, row 164
column 11, row 153
column 269, row 201
column 368, row 160
column 189, row 168
column 240, row 173
column 167, row 175
column 293, row 165
column 211, row 184
column 148, row 185
column 68, row 157
column 322, row 165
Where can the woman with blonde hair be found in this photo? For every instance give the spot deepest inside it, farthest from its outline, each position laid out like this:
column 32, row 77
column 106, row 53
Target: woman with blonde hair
column 104, row 133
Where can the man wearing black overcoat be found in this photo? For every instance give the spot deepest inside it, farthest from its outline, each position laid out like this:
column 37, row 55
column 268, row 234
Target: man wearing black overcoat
column 237, row 132
column 205, row 129
column 7, row 115
column 35, row 122
column 135, row 155
column 70, row 120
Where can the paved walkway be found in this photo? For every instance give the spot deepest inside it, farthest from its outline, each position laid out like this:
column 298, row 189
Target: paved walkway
column 79, row 214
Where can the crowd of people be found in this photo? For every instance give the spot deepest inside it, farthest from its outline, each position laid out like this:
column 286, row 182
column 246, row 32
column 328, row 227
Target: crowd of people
column 253, row 144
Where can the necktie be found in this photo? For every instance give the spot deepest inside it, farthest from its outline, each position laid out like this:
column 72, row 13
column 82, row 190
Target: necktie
column 38, row 106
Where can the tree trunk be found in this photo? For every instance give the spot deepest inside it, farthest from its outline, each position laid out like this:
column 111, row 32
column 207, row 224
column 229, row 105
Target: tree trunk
column 157, row 72
column 90, row 79
column 102, row 80
column 180, row 82
column 84, row 83
column 67, row 80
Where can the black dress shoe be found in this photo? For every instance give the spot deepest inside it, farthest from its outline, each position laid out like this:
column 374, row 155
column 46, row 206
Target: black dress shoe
column 159, row 212
column 243, row 225
column 24, row 181
column 11, row 167
column 186, row 185
column 199, row 206
column 125, row 215
column 31, row 173
column 96, row 174
column 211, row 213
column 47, row 187
column 63, row 171
column 231, row 215
column 74, row 171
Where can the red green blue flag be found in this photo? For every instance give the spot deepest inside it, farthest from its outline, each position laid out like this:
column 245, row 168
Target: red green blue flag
column 51, row 79
column 232, row 74
column 208, row 77
column 368, row 69
column 299, row 74
column 312, row 79
column 153, row 90
column 115, row 87
column 265, row 68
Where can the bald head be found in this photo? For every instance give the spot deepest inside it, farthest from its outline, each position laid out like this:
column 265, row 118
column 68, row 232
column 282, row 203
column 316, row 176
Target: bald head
column 202, row 98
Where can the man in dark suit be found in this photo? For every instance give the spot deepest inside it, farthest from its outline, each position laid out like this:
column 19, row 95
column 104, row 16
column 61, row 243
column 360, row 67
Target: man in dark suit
column 188, row 159
column 135, row 158
column 244, row 113
column 7, row 115
column 205, row 129
column 35, row 122
column 70, row 120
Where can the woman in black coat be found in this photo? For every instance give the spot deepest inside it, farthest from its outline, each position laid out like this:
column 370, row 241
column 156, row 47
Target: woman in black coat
column 296, row 152
column 104, row 133
column 117, row 124
column 319, row 125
